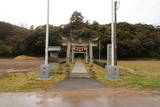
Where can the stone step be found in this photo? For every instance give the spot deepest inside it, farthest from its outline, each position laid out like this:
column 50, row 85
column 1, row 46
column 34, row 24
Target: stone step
column 79, row 75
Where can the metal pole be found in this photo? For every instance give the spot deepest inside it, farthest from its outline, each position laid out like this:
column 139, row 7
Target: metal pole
column 47, row 35
column 99, row 50
column 115, row 34
column 112, row 36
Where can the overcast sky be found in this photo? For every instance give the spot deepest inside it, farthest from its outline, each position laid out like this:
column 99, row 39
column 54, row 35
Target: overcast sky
column 33, row 12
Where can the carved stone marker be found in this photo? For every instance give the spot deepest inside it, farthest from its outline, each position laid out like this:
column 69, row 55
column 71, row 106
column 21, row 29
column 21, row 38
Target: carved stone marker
column 45, row 72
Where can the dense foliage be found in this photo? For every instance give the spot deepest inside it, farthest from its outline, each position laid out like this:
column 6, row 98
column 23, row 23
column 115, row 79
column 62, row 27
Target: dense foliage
column 11, row 38
column 133, row 40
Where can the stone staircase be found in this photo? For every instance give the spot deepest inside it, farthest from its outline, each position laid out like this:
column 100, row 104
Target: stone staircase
column 79, row 75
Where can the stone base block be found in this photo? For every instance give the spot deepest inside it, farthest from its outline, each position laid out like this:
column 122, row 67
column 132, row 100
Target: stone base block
column 113, row 73
column 55, row 66
column 45, row 73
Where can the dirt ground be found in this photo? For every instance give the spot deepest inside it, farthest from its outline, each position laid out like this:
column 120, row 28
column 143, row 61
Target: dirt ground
column 14, row 65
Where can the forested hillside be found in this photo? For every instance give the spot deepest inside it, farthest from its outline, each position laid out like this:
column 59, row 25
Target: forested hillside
column 133, row 40
column 11, row 38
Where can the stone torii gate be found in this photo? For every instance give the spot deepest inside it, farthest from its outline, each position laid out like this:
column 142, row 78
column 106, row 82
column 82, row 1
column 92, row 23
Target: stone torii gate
column 83, row 46
column 112, row 69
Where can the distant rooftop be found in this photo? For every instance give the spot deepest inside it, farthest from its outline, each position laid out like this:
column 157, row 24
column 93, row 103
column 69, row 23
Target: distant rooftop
column 54, row 48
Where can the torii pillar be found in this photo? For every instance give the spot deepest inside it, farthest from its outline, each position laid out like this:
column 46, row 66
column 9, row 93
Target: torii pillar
column 68, row 52
column 91, row 52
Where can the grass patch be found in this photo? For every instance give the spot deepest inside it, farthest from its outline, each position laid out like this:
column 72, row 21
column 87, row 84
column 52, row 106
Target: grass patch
column 20, row 82
column 139, row 80
column 145, row 68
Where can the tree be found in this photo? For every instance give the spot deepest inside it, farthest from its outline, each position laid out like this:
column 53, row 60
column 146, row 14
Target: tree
column 76, row 17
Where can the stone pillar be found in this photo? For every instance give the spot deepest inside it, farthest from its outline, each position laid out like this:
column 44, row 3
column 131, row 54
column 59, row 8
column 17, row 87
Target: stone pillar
column 91, row 52
column 72, row 56
column 86, row 56
column 68, row 52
